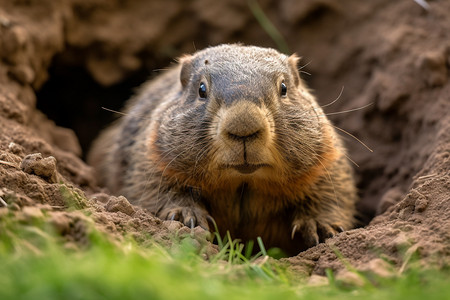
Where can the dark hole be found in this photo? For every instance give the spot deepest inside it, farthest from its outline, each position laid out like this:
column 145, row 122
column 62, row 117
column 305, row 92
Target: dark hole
column 73, row 99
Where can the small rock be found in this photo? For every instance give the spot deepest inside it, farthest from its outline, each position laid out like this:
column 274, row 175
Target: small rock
column 43, row 167
column 121, row 204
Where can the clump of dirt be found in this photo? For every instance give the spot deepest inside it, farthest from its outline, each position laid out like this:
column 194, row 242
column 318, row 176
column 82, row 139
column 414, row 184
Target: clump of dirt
column 393, row 55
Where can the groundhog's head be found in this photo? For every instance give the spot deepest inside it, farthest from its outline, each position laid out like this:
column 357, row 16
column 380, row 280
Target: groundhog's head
column 243, row 115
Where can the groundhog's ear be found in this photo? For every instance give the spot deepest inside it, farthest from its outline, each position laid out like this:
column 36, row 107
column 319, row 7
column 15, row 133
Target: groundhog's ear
column 293, row 62
column 186, row 69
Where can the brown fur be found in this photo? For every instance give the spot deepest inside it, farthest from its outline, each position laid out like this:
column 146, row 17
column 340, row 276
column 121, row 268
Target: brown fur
column 260, row 163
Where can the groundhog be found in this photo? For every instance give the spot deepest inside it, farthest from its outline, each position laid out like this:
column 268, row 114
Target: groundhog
column 232, row 133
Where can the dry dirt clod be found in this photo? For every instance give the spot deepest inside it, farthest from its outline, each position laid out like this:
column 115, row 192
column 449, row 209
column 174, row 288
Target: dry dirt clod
column 173, row 226
column 433, row 67
column 121, row 204
column 43, row 167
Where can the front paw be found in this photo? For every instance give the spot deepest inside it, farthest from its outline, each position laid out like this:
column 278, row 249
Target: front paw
column 314, row 231
column 189, row 216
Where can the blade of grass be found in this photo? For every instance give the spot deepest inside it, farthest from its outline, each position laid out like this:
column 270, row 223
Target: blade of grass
column 268, row 27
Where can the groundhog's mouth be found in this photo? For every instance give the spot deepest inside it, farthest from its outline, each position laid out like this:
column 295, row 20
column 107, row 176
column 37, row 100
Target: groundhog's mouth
column 247, row 168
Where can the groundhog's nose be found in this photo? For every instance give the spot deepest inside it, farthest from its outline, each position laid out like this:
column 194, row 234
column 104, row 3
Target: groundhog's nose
column 244, row 138
column 244, row 122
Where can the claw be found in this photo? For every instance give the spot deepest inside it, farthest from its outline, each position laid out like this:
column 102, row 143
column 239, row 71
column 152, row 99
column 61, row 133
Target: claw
column 191, row 220
column 211, row 222
column 172, row 218
column 341, row 229
column 294, row 230
column 316, row 240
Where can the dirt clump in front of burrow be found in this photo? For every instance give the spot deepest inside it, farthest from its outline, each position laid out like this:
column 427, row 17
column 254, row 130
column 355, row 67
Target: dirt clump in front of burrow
column 391, row 59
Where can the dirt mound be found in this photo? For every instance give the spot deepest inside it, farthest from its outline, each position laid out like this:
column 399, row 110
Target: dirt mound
column 392, row 55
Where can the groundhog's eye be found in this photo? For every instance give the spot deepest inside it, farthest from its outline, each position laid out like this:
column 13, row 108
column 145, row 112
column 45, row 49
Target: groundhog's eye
column 283, row 91
column 202, row 91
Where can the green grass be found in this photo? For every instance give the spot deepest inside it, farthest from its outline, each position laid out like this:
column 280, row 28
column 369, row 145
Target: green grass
column 35, row 264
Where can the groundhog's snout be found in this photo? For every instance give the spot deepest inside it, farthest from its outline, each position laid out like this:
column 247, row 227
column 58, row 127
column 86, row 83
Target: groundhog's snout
column 244, row 136
column 243, row 123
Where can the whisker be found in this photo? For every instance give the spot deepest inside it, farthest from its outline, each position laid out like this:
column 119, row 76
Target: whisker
column 305, row 65
column 351, row 160
column 347, row 111
column 348, row 133
column 161, row 69
column 114, row 111
column 340, row 129
column 124, row 114
column 334, row 101
column 205, row 149
column 292, row 122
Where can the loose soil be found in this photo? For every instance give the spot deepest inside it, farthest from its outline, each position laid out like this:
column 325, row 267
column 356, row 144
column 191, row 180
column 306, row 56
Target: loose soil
column 69, row 58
